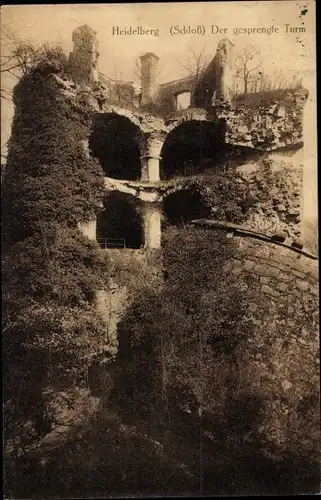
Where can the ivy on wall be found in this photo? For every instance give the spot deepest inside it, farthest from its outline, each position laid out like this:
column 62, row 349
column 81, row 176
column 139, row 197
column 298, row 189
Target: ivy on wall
column 51, row 272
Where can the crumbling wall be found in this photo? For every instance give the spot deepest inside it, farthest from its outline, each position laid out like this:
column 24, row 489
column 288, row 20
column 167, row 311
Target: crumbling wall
column 167, row 93
column 280, row 296
column 276, row 190
column 266, row 123
column 216, row 81
column 131, row 271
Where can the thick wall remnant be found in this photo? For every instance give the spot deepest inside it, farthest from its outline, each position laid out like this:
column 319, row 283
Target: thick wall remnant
column 281, row 178
column 217, row 80
column 266, row 122
column 168, row 92
column 281, row 290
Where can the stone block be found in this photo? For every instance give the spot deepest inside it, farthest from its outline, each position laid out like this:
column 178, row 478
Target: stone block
column 302, row 285
column 249, row 265
column 264, row 279
column 282, row 286
column 260, row 269
column 271, row 262
column 314, row 273
column 272, row 272
column 286, row 277
column 297, row 273
column 269, row 291
column 286, row 385
column 314, row 290
column 228, row 267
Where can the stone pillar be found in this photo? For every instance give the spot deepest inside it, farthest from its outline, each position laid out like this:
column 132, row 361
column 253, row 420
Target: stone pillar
column 150, row 160
column 148, row 77
column 88, row 229
column 151, row 213
column 224, row 72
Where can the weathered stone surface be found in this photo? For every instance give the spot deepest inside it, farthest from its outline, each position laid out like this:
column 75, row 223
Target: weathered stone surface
column 268, row 290
column 260, row 269
column 272, row 272
column 249, row 264
column 302, row 285
column 314, row 290
column 283, row 287
column 286, row 277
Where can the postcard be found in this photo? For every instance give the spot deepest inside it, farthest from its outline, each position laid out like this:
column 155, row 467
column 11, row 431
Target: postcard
column 160, row 249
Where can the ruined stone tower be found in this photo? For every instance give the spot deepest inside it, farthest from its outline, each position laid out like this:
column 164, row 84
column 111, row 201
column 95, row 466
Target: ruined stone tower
column 83, row 59
column 148, row 77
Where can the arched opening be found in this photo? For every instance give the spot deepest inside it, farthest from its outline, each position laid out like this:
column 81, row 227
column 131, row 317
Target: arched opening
column 119, row 225
column 114, row 141
column 183, row 206
column 191, row 148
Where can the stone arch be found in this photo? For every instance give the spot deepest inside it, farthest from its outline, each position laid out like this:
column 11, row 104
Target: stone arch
column 125, row 113
column 191, row 147
column 184, row 205
column 115, row 141
column 187, row 116
column 119, row 225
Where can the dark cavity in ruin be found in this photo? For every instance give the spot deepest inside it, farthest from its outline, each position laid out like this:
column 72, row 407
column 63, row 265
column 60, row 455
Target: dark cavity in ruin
column 184, row 206
column 119, row 225
column 191, row 148
column 114, row 142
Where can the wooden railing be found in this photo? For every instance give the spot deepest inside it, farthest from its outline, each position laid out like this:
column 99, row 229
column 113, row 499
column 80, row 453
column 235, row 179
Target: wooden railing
column 111, row 242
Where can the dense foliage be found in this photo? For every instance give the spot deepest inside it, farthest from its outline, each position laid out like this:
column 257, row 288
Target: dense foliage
column 199, row 370
column 51, row 272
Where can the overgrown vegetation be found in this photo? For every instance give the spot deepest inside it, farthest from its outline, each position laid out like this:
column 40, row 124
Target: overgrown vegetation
column 51, row 273
column 194, row 400
column 198, row 382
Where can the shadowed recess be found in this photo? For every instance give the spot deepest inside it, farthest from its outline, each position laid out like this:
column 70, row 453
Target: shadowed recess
column 114, row 142
column 119, row 225
column 183, row 206
column 190, row 147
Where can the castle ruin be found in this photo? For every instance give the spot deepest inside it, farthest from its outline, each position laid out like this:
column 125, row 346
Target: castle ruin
column 147, row 140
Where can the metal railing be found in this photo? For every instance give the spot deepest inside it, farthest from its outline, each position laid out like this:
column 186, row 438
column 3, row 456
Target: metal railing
column 111, row 242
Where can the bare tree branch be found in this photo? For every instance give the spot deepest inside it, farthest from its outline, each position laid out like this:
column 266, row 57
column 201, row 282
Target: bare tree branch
column 195, row 64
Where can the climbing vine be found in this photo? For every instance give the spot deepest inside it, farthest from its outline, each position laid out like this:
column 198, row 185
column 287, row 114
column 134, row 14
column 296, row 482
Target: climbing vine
column 51, row 272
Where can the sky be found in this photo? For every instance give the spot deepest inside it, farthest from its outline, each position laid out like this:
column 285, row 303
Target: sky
column 118, row 53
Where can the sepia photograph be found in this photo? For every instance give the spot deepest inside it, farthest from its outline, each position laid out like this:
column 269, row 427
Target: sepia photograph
column 160, row 280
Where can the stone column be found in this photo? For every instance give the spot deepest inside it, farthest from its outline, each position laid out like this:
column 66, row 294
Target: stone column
column 151, row 213
column 224, row 70
column 150, row 160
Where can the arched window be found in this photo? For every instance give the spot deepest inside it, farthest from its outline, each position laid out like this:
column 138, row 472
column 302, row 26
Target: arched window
column 114, row 141
column 119, row 224
column 191, row 147
column 183, row 206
